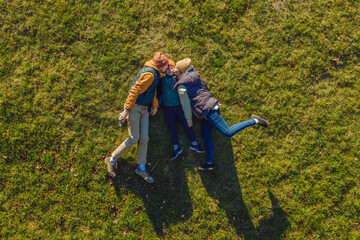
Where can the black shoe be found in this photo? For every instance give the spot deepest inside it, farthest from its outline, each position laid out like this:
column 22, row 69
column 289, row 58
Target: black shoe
column 206, row 167
column 261, row 121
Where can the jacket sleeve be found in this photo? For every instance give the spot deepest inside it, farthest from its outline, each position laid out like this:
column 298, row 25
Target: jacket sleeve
column 185, row 102
column 155, row 101
column 159, row 92
column 140, row 86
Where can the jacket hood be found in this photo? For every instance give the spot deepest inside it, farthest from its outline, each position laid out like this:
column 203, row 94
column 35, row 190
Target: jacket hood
column 151, row 64
column 191, row 77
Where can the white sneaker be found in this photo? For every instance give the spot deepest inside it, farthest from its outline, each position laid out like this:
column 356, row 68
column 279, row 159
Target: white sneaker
column 110, row 167
column 145, row 175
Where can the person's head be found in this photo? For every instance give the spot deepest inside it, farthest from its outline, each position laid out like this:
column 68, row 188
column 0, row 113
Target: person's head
column 171, row 68
column 182, row 66
column 161, row 61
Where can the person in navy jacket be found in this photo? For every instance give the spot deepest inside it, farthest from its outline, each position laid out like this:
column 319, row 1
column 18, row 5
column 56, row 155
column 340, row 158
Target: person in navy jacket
column 196, row 98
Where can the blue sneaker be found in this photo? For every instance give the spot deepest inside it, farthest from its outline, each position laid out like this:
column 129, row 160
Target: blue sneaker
column 196, row 148
column 206, row 167
column 176, row 153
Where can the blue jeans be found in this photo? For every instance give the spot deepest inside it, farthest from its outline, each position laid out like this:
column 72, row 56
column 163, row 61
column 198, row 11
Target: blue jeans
column 215, row 120
column 173, row 113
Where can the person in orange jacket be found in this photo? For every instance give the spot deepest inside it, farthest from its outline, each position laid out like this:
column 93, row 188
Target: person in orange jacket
column 142, row 93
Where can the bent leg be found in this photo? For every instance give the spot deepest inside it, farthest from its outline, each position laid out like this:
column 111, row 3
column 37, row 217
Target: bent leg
column 144, row 137
column 218, row 122
column 134, row 133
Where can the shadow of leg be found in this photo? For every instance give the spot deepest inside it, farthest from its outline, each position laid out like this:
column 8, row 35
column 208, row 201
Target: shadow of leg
column 223, row 185
column 274, row 226
column 167, row 201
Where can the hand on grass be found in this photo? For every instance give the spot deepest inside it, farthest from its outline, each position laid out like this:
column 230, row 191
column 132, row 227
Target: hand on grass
column 153, row 111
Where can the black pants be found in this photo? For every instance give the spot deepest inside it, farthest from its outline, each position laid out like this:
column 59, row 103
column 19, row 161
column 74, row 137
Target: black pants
column 176, row 113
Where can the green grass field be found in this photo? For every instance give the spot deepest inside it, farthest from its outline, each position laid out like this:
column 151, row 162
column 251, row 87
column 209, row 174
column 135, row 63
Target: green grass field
column 65, row 69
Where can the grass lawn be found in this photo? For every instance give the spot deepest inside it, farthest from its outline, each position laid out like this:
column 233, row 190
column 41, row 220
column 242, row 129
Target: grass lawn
column 65, row 70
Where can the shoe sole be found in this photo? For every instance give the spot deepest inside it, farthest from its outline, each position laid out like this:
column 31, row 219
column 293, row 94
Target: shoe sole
column 107, row 162
column 146, row 179
column 194, row 149
column 206, row 169
column 176, row 155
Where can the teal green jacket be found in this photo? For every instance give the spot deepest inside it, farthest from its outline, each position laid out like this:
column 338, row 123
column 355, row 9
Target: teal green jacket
column 169, row 95
column 146, row 98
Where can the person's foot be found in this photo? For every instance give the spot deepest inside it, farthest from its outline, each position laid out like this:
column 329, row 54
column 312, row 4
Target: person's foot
column 110, row 167
column 260, row 121
column 196, row 148
column 206, row 167
column 145, row 175
column 176, row 153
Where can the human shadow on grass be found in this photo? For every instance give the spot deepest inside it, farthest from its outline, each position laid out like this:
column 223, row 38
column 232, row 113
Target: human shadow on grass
column 223, row 185
column 167, row 201
column 274, row 226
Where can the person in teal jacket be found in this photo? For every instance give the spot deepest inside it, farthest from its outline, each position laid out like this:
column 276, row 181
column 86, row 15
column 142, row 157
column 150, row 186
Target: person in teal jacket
column 174, row 112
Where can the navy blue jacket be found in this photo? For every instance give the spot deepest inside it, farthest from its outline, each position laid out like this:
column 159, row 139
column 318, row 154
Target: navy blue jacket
column 201, row 99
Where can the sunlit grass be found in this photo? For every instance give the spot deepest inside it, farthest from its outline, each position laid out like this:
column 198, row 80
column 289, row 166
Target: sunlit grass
column 65, row 69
